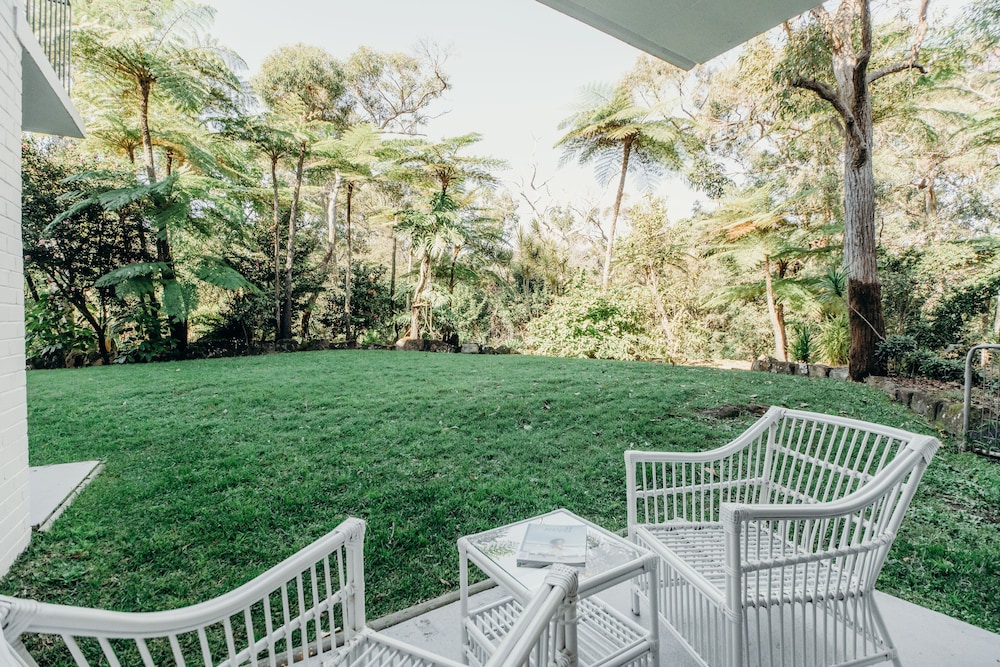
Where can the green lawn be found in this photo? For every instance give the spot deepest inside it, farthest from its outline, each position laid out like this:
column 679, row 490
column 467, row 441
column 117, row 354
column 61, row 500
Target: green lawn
column 218, row 469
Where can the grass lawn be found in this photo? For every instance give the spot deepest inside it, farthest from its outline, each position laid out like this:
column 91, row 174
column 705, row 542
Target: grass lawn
column 218, row 469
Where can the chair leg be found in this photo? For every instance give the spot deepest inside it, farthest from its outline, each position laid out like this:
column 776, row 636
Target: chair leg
column 636, row 607
column 877, row 615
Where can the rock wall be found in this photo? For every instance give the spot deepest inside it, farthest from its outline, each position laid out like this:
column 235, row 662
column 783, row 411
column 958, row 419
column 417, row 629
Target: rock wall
column 942, row 410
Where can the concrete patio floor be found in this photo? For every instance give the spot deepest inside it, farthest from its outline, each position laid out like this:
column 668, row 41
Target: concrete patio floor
column 923, row 637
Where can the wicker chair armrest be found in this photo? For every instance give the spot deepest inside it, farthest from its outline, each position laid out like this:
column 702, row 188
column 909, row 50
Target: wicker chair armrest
column 19, row 616
column 559, row 588
column 899, row 468
column 745, row 439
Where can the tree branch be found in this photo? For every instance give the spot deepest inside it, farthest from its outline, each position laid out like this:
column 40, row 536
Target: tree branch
column 861, row 64
column 826, row 21
column 895, row 67
column 826, row 92
column 918, row 41
column 921, row 32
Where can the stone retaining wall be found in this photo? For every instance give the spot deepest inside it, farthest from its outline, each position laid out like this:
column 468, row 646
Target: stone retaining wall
column 941, row 410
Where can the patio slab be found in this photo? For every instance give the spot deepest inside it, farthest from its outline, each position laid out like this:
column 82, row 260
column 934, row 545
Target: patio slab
column 52, row 488
column 924, row 638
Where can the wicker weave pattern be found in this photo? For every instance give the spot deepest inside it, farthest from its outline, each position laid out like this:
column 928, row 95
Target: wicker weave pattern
column 770, row 546
column 604, row 637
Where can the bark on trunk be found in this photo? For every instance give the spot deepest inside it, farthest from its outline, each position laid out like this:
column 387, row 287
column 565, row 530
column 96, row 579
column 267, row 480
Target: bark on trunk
column 286, row 311
column 276, row 214
column 653, row 281
column 609, row 252
column 423, row 283
column 777, row 313
column 392, row 288
column 80, row 303
column 455, row 251
column 147, row 137
column 178, row 330
column 32, row 289
column 347, row 267
column 864, row 291
column 329, row 257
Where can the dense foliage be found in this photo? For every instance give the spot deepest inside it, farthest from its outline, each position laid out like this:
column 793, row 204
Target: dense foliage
column 201, row 218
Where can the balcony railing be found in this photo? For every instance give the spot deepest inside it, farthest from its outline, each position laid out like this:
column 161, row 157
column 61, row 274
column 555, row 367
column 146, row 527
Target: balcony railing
column 51, row 21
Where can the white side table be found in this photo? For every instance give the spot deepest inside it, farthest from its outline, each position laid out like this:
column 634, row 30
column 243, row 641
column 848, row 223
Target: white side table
column 599, row 634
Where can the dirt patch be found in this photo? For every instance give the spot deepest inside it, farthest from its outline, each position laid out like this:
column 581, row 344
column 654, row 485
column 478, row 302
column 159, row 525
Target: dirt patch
column 734, row 411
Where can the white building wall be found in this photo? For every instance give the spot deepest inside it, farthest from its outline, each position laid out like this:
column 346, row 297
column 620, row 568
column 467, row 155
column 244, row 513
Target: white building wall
column 14, row 529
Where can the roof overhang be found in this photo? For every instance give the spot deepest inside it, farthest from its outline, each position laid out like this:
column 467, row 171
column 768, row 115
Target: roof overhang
column 45, row 104
column 685, row 33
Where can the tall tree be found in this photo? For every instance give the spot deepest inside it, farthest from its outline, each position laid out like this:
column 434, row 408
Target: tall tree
column 304, row 86
column 759, row 234
column 393, row 90
column 351, row 157
column 615, row 134
column 846, row 37
column 654, row 252
column 441, row 225
column 147, row 54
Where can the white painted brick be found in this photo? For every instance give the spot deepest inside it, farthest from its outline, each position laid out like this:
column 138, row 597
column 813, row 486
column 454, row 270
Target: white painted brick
column 14, row 531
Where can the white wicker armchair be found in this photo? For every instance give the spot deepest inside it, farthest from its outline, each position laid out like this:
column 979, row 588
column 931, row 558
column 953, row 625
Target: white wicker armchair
column 308, row 611
column 770, row 546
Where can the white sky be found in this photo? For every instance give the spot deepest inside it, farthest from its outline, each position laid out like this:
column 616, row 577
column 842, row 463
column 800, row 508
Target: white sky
column 516, row 67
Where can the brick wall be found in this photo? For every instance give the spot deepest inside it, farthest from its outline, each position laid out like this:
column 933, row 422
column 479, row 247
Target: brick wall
column 14, row 529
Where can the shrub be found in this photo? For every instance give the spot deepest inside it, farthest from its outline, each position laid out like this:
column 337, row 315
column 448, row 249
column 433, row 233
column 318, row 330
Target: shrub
column 53, row 337
column 896, row 351
column 903, row 357
column 929, row 365
column 586, row 323
column 802, row 345
column 834, row 340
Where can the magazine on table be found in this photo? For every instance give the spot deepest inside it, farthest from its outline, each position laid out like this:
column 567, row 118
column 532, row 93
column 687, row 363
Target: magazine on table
column 545, row 544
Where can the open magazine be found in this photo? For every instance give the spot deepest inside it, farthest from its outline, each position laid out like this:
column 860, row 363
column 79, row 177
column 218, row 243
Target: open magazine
column 545, row 544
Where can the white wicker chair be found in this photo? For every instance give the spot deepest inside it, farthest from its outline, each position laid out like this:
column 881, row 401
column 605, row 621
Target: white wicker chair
column 308, row 611
column 770, row 546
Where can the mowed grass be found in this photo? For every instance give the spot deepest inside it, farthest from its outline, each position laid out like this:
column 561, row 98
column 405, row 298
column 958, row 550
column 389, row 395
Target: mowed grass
column 218, row 469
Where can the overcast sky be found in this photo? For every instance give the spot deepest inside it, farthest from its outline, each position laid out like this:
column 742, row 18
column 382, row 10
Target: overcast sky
column 516, row 66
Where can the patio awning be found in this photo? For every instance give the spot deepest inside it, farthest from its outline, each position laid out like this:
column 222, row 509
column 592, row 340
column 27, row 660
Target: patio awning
column 683, row 32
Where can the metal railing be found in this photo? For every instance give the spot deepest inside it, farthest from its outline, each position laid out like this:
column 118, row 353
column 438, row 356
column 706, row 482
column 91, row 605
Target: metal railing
column 51, row 21
column 981, row 414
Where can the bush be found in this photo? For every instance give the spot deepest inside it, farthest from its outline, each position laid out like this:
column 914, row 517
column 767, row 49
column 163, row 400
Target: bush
column 802, row 345
column 896, row 351
column 834, row 341
column 586, row 323
column 929, row 365
column 53, row 337
column 903, row 357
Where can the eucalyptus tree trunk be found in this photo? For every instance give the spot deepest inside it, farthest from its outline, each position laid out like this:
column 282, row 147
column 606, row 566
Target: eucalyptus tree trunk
column 864, row 290
column 286, row 310
column 276, row 213
column 423, row 284
column 347, row 267
column 777, row 313
column 609, row 252
column 851, row 100
column 329, row 257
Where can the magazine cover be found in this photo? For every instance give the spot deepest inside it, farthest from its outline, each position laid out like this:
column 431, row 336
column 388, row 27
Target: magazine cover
column 545, row 544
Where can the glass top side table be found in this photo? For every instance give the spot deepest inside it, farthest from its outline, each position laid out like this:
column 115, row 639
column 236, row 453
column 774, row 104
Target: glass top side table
column 611, row 560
